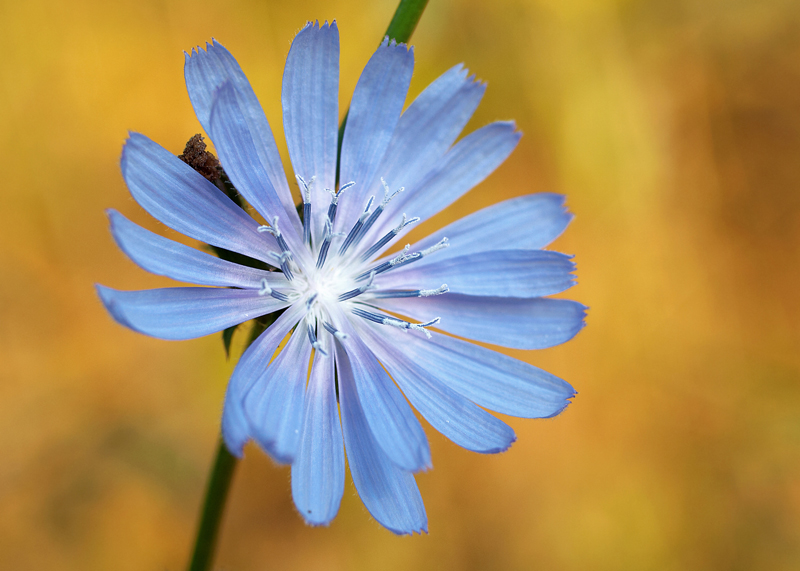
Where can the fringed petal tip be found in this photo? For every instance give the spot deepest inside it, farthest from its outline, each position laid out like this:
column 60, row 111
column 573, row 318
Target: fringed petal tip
column 567, row 402
column 201, row 51
column 386, row 43
column 423, row 529
column 499, row 450
column 315, row 25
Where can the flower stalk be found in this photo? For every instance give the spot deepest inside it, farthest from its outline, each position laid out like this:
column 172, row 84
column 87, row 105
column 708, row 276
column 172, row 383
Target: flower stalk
column 213, row 507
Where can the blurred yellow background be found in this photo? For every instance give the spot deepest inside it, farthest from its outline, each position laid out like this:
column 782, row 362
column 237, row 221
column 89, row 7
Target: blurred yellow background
column 673, row 126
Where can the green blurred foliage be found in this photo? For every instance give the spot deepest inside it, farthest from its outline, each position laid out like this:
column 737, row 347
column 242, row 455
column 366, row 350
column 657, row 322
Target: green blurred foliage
column 674, row 129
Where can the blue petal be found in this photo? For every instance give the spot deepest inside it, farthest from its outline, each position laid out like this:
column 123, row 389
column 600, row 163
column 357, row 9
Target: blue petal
column 389, row 493
column 237, row 151
column 448, row 411
column 164, row 257
column 470, row 161
column 519, row 323
column 172, row 192
column 374, row 112
column 425, row 132
column 310, row 99
column 205, row 72
column 502, row 273
column 235, row 427
column 318, row 471
column 488, row 378
column 185, row 312
column 527, row 222
column 392, row 422
column 429, row 126
column 274, row 403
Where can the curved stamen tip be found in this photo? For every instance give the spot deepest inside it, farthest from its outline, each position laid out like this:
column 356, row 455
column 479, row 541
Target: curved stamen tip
column 368, row 206
column 272, row 229
column 404, row 256
column 388, row 194
column 438, row 291
column 422, row 326
column 443, row 243
column 305, row 188
column 265, row 289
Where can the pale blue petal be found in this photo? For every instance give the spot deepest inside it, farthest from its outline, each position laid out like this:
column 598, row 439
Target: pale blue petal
column 165, row 257
column 237, row 151
column 502, row 273
column 527, row 222
column 448, row 411
column 392, row 422
column 429, row 126
column 172, row 192
column 205, row 72
column 424, row 134
column 374, row 112
column 488, row 378
column 468, row 163
column 519, row 323
column 235, row 428
column 318, row 471
column 310, row 99
column 389, row 493
column 274, row 403
column 185, row 312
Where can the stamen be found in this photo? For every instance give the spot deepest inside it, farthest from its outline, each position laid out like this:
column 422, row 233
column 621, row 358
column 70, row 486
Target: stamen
column 266, row 290
column 341, row 336
column 326, row 242
column 384, row 320
column 368, row 316
column 286, row 254
column 312, row 338
column 335, row 199
column 355, row 230
column 310, row 301
column 332, row 206
column 306, row 207
column 410, row 293
column 422, row 326
column 283, row 260
column 389, row 236
column 399, row 260
column 359, row 290
column 443, row 243
column 387, row 196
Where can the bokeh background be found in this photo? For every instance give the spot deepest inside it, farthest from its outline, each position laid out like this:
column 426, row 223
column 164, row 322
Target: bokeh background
column 673, row 126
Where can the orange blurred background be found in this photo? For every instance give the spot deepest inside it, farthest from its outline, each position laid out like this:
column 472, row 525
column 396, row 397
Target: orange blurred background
column 673, row 126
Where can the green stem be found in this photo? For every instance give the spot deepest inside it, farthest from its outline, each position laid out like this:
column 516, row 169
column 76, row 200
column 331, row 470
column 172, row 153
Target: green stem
column 214, row 505
column 405, row 20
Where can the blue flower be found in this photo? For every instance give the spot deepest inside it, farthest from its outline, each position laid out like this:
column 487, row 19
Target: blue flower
column 355, row 313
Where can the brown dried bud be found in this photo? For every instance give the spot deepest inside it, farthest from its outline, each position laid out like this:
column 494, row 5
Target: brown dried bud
column 196, row 156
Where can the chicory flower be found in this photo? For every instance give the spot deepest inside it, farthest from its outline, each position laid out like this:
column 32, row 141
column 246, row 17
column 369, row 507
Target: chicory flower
column 359, row 319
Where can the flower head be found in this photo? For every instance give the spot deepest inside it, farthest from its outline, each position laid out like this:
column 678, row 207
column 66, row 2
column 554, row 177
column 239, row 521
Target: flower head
column 361, row 317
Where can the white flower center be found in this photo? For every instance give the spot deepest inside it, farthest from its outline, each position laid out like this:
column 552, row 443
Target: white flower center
column 344, row 270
